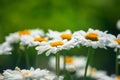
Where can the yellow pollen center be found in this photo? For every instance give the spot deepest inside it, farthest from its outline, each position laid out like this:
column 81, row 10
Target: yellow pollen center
column 57, row 43
column 66, row 36
column 69, row 60
column 24, row 32
column 92, row 36
column 92, row 71
column 117, row 78
column 27, row 73
column 118, row 41
column 40, row 39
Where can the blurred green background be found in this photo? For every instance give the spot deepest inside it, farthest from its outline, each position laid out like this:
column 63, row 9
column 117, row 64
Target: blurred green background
column 60, row 15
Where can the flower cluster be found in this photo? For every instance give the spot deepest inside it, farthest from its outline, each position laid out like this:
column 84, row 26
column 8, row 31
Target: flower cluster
column 32, row 74
column 55, row 41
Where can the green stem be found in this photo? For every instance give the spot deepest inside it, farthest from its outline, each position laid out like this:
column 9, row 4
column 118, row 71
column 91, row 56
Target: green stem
column 72, row 77
column 91, row 62
column 88, row 59
column 19, row 58
column 35, row 62
column 57, row 64
column 117, row 65
column 27, row 59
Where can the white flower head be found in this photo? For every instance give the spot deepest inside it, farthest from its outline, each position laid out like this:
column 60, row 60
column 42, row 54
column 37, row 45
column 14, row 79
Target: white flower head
column 76, row 62
column 91, row 38
column 114, row 42
column 32, row 37
column 32, row 41
column 94, row 73
column 59, row 35
column 32, row 32
column 54, row 46
column 32, row 74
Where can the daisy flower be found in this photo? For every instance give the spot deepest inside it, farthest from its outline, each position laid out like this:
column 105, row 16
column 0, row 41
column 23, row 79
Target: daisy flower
column 54, row 46
column 78, row 62
column 24, row 37
column 32, row 74
column 15, row 37
column 91, row 38
column 59, row 35
column 32, row 41
column 92, row 72
column 31, row 37
column 114, row 41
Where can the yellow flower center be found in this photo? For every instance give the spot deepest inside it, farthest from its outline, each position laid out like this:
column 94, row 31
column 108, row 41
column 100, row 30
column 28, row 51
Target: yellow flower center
column 27, row 73
column 117, row 78
column 69, row 60
column 92, row 71
column 92, row 36
column 66, row 36
column 24, row 32
column 40, row 39
column 57, row 43
column 118, row 41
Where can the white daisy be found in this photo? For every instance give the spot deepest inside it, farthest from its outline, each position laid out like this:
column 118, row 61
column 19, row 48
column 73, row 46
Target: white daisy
column 59, row 35
column 32, row 41
column 91, row 38
column 32, row 74
column 54, row 46
column 15, row 37
column 77, row 62
column 24, row 37
column 114, row 41
column 92, row 72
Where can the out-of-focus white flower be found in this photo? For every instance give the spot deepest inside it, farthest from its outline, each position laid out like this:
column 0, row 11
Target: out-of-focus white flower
column 32, row 74
column 54, row 46
column 77, row 62
column 12, row 38
column 91, row 38
column 92, row 72
column 59, row 35
column 32, row 41
column 24, row 37
column 5, row 48
column 118, row 24
column 27, row 37
column 96, row 73
column 114, row 41
column 32, row 32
